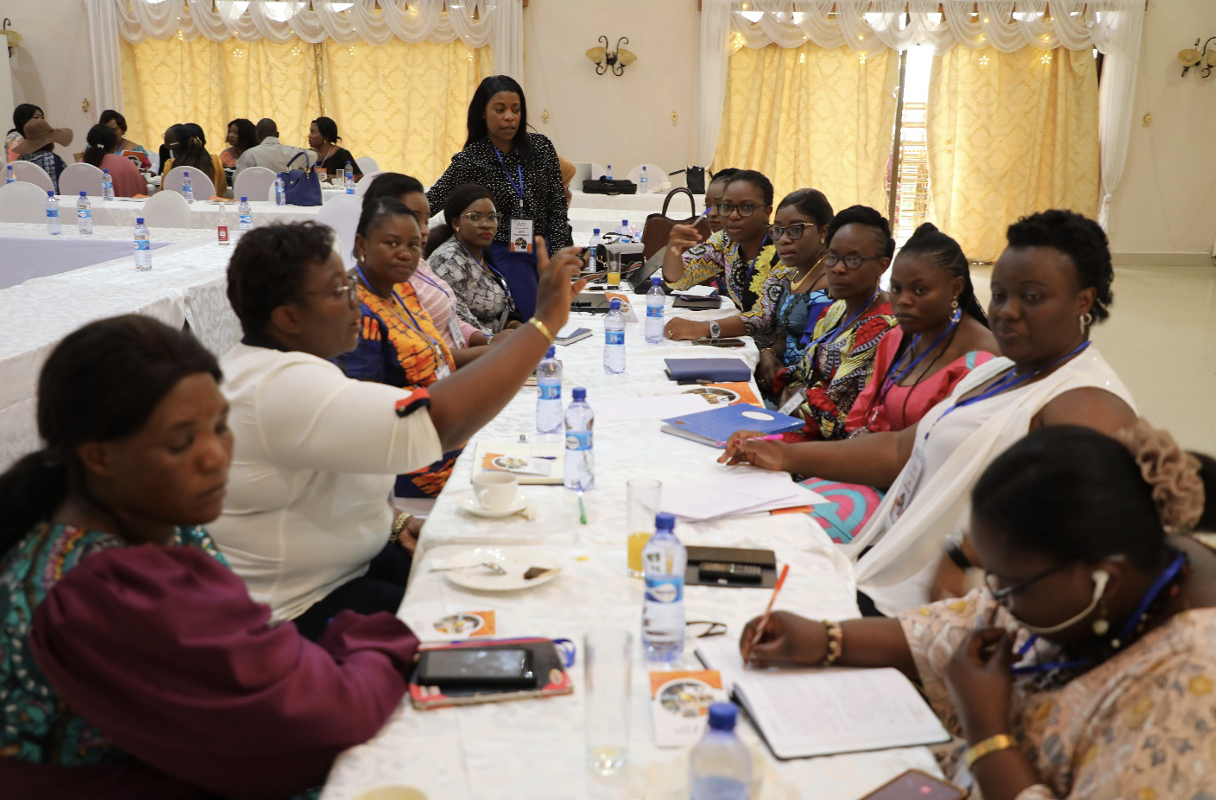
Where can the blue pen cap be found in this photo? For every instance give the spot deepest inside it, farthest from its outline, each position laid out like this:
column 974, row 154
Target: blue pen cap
column 664, row 521
column 722, row 716
column 614, row 304
column 579, row 394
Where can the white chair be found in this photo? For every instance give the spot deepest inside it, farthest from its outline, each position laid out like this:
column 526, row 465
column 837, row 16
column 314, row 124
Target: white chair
column 342, row 214
column 167, row 210
column 365, row 183
column 22, row 201
column 80, row 177
column 367, row 164
column 654, row 176
column 253, row 182
column 597, row 170
column 32, row 173
column 200, row 184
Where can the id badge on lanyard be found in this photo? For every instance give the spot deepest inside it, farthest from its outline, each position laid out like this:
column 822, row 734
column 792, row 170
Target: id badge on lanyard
column 521, row 236
column 791, row 405
column 455, row 332
column 912, row 474
column 442, row 370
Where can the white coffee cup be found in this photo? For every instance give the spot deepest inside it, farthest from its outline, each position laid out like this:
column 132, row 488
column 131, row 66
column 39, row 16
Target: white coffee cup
column 495, row 491
column 665, row 186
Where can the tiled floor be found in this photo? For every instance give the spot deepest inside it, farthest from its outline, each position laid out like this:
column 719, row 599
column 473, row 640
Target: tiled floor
column 1161, row 338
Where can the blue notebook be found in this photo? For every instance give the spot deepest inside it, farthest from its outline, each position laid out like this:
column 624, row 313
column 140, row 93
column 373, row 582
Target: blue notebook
column 715, row 426
column 714, row 370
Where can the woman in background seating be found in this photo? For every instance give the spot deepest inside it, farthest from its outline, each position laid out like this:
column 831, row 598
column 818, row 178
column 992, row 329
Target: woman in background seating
column 241, row 136
column 323, row 138
column 38, row 147
column 21, row 115
column 189, row 149
column 135, row 663
column 118, row 122
column 1084, row 668
column 100, row 150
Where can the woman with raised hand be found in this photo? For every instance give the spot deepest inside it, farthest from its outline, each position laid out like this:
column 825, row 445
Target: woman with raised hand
column 1085, row 667
column 307, row 522
column 135, row 663
column 521, row 171
column 1049, row 286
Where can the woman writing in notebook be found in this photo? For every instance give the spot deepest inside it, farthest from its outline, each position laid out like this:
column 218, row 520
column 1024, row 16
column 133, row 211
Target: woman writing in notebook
column 1086, row 667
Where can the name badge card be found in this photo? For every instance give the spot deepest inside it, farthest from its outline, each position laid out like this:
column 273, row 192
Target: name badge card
column 521, row 236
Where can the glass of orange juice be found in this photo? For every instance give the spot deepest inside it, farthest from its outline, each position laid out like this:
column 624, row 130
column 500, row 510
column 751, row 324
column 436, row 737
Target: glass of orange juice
column 643, row 504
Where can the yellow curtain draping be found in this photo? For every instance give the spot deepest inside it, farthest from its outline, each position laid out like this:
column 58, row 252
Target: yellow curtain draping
column 1010, row 134
column 806, row 116
column 403, row 104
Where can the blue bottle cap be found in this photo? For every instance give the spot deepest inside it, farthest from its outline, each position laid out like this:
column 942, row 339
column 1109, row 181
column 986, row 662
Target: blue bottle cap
column 655, row 279
column 244, row 199
column 722, row 716
column 139, row 220
column 551, row 352
column 624, row 222
column 664, row 521
column 614, row 304
column 597, row 230
column 579, row 394
column 105, row 172
column 83, row 193
column 49, row 193
column 186, row 173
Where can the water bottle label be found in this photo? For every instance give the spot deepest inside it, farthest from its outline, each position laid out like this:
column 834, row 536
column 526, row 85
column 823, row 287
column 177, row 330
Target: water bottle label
column 143, row 244
column 578, row 440
column 664, row 588
column 552, row 391
column 83, row 213
column 246, row 219
column 52, row 213
column 654, row 311
column 614, row 337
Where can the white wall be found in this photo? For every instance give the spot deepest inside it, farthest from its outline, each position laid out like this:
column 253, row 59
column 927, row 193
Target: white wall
column 1166, row 201
column 626, row 120
column 53, row 67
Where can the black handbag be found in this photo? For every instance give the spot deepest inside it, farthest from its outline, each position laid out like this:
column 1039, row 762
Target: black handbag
column 605, row 186
column 694, row 179
column 301, row 187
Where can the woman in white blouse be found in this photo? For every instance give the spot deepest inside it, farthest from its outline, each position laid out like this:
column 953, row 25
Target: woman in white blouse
column 307, row 522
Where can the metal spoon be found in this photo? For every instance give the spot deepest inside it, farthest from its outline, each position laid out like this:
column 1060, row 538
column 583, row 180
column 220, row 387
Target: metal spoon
column 492, row 566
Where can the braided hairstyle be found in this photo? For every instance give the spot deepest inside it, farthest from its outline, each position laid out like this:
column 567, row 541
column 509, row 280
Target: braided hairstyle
column 943, row 251
column 1079, row 238
column 864, row 215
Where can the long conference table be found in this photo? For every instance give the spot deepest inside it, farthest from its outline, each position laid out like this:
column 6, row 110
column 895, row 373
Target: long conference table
column 535, row 748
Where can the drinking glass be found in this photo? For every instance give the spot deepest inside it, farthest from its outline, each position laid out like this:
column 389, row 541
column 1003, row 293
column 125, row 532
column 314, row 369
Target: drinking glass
column 643, row 504
column 608, row 656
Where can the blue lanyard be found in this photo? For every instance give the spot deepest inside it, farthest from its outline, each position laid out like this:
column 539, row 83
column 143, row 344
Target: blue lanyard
column 839, row 329
column 437, row 286
column 894, row 377
column 519, row 190
column 1157, row 588
column 436, row 350
column 1005, row 384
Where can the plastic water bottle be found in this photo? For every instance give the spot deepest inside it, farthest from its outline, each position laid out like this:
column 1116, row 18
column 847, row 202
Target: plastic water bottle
column 663, row 562
column 187, row 188
column 595, row 242
column 84, row 215
column 143, row 246
column 720, row 767
column 654, row 311
column 9, row 175
column 549, row 399
column 580, row 457
column 608, row 174
column 643, row 187
column 107, row 185
column 349, row 177
column 614, row 339
column 280, row 191
column 221, row 226
column 244, row 216
column 625, row 231
column 52, row 214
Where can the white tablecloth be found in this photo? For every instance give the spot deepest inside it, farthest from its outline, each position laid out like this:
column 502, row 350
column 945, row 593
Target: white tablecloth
column 28, row 257
column 204, row 214
column 187, row 283
column 646, row 203
column 535, row 749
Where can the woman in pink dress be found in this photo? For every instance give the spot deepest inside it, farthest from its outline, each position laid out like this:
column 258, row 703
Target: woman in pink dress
column 99, row 149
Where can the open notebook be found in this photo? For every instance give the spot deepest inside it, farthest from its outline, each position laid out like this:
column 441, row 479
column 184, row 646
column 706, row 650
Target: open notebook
column 817, row 712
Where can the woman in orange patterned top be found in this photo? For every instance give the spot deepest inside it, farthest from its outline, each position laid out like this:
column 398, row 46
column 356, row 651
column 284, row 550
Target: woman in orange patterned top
column 1086, row 666
column 398, row 343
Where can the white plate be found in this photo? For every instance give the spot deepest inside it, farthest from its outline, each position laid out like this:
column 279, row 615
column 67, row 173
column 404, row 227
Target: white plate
column 468, row 501
column 480, row 578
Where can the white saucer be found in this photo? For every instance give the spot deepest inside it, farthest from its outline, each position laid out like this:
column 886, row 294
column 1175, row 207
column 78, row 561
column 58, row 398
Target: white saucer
column 468, row 501
column 516, row 565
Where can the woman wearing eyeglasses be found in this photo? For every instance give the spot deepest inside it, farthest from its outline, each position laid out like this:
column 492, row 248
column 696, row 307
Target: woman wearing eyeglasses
column 738, row 259
column 459, row 252
column 1086, row 668
column 839, row 358
column 307, row 522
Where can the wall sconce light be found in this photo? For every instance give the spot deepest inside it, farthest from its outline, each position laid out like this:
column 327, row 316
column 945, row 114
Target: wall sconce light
column 11, row 36
column 1202, row 61
column 617, row 59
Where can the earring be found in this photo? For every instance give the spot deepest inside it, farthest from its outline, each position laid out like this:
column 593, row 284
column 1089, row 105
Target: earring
column 1086, row 320
column 1101, row 626
column 956, row 313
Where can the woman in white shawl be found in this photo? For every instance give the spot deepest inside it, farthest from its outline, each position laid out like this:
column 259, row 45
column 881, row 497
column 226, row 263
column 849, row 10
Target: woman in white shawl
column 1048, row 287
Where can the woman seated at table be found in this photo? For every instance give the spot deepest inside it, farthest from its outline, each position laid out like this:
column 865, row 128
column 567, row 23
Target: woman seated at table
column 1051, row 283
column 839, row 359
column 22, row 114
column 398, row 343
column 458, row 251
column 323, row 138
column 307, row 522
column 434, row 293
column 242, row 135
column 189, row 149
column 1085, row 667
column 118, row 122
column 135, row 663
column 100, row 151
column 38, row 147
column 737, row 259
column 797, row 235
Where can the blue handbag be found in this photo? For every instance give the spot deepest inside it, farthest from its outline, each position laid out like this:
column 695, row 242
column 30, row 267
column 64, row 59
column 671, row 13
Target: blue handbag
column 302, row 187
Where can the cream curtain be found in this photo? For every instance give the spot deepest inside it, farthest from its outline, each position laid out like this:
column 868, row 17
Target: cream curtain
column 807, row 116
column 1010, row 134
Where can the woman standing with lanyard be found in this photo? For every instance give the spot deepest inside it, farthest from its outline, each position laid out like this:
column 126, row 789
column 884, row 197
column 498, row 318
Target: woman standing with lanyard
column 521, row 172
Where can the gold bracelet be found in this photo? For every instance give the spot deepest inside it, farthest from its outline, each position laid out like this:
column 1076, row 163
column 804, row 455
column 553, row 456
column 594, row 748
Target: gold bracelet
column 399, row 526
column 543, row 328
column 835, row 643
column 1002, row 741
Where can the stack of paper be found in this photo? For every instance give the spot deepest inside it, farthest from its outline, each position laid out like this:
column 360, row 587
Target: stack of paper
column 735, row 493
column 697, row 291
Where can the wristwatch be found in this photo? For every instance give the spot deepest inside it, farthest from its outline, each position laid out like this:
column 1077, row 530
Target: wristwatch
column 715, row 330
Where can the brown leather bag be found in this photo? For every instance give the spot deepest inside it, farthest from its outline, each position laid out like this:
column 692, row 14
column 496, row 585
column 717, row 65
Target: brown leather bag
column 658, row 226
